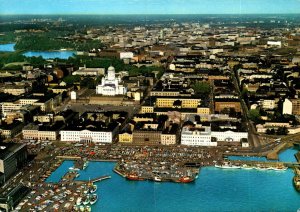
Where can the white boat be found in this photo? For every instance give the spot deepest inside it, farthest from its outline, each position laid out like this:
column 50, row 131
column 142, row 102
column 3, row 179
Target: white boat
column 73, row 169
column 157, row 179
column 279, row 168
column 262, row 168
column 227, row 166
column 246, row 167
column 79, row 201
column 92, row 188
column 81, row 208
column 85, row 164
column 86, row 200
column 93, row 199
column 88, row 208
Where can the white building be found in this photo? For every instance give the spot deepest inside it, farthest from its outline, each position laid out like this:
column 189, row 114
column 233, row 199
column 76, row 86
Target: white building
column 196, row 136
column 268, row 104
column 110, row 85
column 229, row 136
column 126, row 55
column 287, row 107
column 87, row 136
column 205, row 137
column 73, row 95
column 274, row 43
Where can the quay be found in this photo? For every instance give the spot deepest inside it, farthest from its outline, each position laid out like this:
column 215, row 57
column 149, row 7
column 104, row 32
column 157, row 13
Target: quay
column 68, row 157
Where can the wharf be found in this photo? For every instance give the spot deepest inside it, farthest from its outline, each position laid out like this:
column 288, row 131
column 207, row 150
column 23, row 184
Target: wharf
column 265, row 163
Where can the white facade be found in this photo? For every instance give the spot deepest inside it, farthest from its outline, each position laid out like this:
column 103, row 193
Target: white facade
column 287, row 107
column 268, row 104
column 196, row 137
column 73, row 95
column 110, row 85
column 126, row 55
column 274, row 43
column 87, row 135
column 229, row 136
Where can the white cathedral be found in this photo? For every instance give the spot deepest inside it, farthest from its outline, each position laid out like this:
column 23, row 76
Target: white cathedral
column 110, row 85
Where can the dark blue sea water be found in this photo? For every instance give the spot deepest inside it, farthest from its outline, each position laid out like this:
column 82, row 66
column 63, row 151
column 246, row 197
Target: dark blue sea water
column 214, row 190
column 7, row 47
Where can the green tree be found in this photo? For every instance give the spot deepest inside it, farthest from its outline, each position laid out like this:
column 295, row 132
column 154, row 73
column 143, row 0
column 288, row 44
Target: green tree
column 71, row 79
column 202, row 87
column 254, row 115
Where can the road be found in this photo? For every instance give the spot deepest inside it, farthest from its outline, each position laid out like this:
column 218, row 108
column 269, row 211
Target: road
column 253, row 138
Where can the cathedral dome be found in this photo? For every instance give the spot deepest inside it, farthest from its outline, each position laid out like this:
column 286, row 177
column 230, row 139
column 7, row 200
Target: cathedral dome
column 111, row 68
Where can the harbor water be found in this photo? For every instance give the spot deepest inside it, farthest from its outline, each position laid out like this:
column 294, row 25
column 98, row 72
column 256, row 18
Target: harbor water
column 214, row 190
column 285, row 156
column 44, row 54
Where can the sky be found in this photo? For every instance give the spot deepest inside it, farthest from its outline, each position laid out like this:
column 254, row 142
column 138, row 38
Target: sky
column 149, row 6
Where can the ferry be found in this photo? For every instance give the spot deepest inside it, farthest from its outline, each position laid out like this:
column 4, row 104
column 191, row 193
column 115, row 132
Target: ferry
column 296, row 181
column 133, row 177
column 227, row 166
column 186, row 179
column 93, row 199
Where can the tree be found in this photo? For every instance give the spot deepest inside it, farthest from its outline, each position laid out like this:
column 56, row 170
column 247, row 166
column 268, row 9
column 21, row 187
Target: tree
column 71, row 79
column 201, row 88
column 254, row 115
column 282, row 131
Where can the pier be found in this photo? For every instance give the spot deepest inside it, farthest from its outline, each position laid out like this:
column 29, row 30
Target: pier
column 106, row 177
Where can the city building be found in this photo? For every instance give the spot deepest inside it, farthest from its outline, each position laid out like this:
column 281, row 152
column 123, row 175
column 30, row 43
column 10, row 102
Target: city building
column 110, row 85
column 12, row 157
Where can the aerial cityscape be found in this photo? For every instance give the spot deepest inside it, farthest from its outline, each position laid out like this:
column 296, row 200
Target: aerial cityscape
column 150, row 106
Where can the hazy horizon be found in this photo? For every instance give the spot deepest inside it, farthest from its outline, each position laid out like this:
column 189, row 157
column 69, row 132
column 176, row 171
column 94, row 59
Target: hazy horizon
column 148, row 7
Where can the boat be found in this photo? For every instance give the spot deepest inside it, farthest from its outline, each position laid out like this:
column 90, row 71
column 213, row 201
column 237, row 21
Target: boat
column 81, row 208
column 227, row 166
column 77, row 175
column 93, row 199
column 280, row 168
column 87, row 208
column 92, row 188
column 157, row 179
column 73, row 169
column 133, row 177
column 86, row 200
column 296, row 181
column 79, row 201
column 245, row 166
column 85, row 164
column 186, row 179
column 262, row 168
